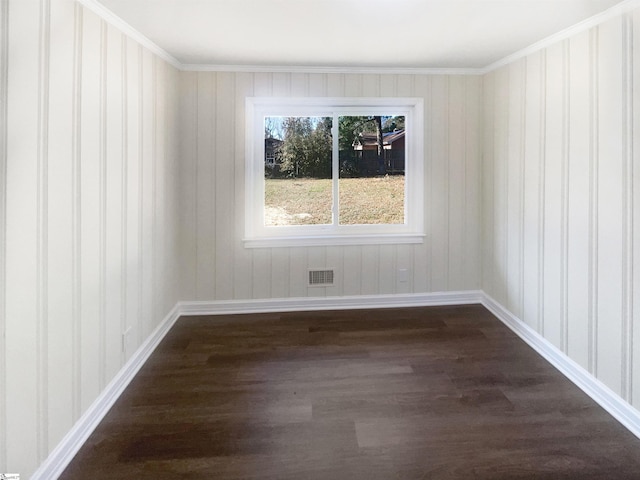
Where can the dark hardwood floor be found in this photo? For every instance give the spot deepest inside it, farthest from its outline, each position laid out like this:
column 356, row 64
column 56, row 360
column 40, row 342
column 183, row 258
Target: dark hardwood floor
column 416, row 393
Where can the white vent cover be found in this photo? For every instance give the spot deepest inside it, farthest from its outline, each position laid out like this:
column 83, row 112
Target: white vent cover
column 319, row 278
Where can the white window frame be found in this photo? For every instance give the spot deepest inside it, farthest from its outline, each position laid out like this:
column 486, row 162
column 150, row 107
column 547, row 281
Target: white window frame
column 411, row 231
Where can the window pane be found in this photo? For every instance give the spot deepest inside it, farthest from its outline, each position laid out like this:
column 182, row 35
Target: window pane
column 372, row 160
column 297, row 171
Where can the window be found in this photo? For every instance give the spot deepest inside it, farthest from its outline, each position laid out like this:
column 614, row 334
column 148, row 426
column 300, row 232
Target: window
column 323, row 171
column 270, row 159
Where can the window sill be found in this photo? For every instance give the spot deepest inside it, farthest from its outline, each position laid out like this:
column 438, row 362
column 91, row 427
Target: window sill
column 326, row 240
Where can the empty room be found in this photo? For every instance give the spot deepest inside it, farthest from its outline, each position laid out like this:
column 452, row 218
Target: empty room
column 319, row 239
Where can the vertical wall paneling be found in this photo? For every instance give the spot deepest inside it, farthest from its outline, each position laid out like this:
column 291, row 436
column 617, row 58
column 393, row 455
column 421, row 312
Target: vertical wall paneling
column 134, row 194
column 90, row 210
column 224, row 164
column 452, row 190
column 261, row 273
column 124, row 199
column 514, row 188
column 452, row 152
column 60, row 239
column 577, row 207
column 635, row 221
column 420, row 267
column 404, row 262
column 387, row 270
column 157, row 163
column 500, row 187
column 113, row 212
column 4, row 61
column 152, row 299
column 76, row 214
column 206, row 235
column 280, row 271
column 594, row 166
column 456, row 182
column 297, row 270
column 21, row 236
column 75, row 177
column 102, row 206
column 335, row 260
column 542, row 176
column 359, row 269
column 353, row 84
column 627, row 204
column 188, row 175
column 610, row 211
column 242, row 263
column 521, row 180
column 532, row 190
column 318, row 84
column 578, row 188
column 161, row 206
column 143, row 79
column 473, row 174
column 336, row 85
column 553, row 189
column 564, row 193
column 488, row 183
column 146, row 212
column 42, row 233
column 438, row 185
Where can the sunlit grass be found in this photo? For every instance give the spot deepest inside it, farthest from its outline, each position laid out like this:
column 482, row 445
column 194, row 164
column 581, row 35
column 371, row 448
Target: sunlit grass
column 375, row 200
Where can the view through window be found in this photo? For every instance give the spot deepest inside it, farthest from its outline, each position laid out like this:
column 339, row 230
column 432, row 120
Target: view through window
column 308, row 183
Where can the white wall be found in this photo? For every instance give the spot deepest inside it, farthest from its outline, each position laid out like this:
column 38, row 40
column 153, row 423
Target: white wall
column 88, row 214
column 561, row 214
column 212, row 154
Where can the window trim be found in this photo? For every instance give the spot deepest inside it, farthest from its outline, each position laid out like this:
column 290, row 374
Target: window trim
column 258, row 235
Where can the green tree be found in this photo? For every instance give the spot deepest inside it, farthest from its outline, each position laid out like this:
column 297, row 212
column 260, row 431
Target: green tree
column 306, row 147
column 391, row 124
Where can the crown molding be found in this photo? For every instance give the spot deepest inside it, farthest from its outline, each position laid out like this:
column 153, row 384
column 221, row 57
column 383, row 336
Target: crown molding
column 616, row 10
column 194, row 67
column 103, row 12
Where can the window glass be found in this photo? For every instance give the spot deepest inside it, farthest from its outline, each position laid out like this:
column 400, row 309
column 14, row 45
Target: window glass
column 298, row 182
column 372, row 161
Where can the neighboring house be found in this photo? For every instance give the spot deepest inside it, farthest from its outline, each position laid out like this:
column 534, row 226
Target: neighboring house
column 271, row 160
column 366, row 149
column 390, row 141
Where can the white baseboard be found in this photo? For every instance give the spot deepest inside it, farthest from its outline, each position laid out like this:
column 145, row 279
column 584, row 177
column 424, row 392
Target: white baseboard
column 598, row 391
column 60, row 457
column 228, row 307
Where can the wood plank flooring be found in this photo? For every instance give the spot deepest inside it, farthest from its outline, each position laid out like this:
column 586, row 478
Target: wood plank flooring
column 416, row 393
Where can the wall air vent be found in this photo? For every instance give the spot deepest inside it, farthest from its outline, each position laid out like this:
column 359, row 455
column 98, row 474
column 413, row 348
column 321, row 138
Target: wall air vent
column 320, row 278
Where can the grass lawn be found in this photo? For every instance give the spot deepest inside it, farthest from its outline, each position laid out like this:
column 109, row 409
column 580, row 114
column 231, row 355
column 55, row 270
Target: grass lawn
column 305, row 201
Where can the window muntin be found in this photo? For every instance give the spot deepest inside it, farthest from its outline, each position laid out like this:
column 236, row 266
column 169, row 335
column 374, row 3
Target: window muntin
column 340, row 212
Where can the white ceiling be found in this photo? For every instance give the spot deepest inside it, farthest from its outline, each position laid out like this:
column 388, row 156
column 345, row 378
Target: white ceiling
column 350, row 33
